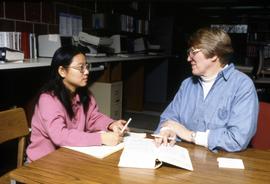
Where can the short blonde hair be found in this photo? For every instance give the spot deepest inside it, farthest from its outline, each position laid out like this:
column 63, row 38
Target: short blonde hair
column 212, row 41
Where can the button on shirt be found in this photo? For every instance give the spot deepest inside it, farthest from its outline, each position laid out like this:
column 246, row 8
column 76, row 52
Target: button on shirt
column 229, row 111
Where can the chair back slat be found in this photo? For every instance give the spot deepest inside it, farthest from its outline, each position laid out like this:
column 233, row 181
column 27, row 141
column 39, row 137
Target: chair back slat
column 13, row 124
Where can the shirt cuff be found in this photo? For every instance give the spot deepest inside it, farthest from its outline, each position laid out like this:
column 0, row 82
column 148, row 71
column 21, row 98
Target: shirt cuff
column 202, row 138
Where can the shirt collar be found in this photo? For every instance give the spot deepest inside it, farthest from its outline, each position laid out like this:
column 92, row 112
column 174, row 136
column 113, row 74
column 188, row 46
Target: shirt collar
column 227, row 72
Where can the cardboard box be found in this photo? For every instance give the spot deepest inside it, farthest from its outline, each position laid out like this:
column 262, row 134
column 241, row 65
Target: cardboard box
column 109, row 98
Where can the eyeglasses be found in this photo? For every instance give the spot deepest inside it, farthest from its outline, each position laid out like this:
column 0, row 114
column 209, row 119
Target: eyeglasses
column 81, row 68
column 192, row 52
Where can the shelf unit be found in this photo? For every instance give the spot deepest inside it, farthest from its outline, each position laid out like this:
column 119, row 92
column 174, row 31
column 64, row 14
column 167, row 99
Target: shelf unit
column 43, row 62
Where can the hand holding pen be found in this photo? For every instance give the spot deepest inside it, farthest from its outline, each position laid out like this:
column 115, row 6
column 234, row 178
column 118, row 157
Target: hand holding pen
column 165, row 137
column 119, row 126
column 126, row 125
column 115, row 136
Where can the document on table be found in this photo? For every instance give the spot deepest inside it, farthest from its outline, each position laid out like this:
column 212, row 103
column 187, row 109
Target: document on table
column 98, row 151
column 143, row 153
column 104, row 151
column 230, row 163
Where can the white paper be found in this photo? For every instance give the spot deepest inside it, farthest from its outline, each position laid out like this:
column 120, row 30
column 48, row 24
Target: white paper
column 175, row 155
column 230, row 163
column 134, row 156
column 104, row 151
column 143, row 153
column 134, row 135
column 98, row 151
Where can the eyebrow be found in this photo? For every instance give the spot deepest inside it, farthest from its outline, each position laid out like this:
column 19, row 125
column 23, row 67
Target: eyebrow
column 79, row 64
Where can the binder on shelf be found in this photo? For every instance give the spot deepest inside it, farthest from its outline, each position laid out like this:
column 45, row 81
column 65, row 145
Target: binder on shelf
column 10, row 40
column 25, row 44
column 10, row 55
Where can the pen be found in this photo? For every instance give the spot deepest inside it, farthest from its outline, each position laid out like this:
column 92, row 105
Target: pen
column 126, row 125
column 160, row 136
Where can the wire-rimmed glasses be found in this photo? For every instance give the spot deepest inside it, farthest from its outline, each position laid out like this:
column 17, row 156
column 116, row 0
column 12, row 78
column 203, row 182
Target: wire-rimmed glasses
column 81, row 68
column 191, row 52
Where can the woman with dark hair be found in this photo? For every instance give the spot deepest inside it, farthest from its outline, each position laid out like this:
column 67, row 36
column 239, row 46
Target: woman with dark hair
column 66, row 114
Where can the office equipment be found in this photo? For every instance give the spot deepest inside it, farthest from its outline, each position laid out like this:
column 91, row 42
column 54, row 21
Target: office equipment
column 71, row 167
column 48, row 44
column 94, row 40
column 109, row 98
column 139, row 45
column 154, row 49
column 123, row 129
column 13, row 126
column 10, row 55
column 98, row 151
column 143, row 153
column 95, row 44
column 119, row 43
column 96, row 54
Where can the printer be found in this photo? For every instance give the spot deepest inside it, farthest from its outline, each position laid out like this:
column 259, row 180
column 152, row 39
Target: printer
column 49, row 43
column 95, row 44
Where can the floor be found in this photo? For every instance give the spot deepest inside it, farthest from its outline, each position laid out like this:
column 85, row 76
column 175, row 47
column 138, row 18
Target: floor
column 145, row 121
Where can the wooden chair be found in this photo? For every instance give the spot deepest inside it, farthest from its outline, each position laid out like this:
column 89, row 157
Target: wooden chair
column 261, row 140
column 13, row 125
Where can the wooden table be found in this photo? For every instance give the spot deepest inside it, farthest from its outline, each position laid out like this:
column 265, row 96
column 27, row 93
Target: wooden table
column 67, row 166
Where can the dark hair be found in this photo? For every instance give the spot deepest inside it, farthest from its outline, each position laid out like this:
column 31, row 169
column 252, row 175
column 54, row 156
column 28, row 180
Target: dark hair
column 55, row 86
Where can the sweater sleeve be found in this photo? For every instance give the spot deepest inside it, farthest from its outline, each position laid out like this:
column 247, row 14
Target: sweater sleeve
column 53, row 117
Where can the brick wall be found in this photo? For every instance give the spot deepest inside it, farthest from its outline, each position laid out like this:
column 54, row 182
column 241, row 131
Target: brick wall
column 41, row 17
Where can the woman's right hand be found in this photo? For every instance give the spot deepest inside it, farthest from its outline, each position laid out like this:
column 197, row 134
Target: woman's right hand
column 111, row 138
column 167, row 136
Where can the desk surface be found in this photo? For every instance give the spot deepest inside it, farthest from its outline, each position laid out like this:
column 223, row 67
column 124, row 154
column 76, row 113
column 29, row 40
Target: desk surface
column 67, row 166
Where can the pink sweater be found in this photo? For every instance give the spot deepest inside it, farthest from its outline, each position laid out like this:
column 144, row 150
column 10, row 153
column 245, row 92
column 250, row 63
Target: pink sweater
column 52, row 128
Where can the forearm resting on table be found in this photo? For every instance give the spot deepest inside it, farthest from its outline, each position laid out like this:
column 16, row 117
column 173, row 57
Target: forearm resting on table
column 199, row 138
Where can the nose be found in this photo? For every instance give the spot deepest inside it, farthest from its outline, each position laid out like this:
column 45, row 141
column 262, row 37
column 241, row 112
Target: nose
column 189, row 58
column 86, row 72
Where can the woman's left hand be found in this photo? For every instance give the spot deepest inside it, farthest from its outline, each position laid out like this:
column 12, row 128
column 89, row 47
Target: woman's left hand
column 117, row 126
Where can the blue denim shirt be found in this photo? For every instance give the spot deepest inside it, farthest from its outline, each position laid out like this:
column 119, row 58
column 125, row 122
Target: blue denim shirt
column 229, row 111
